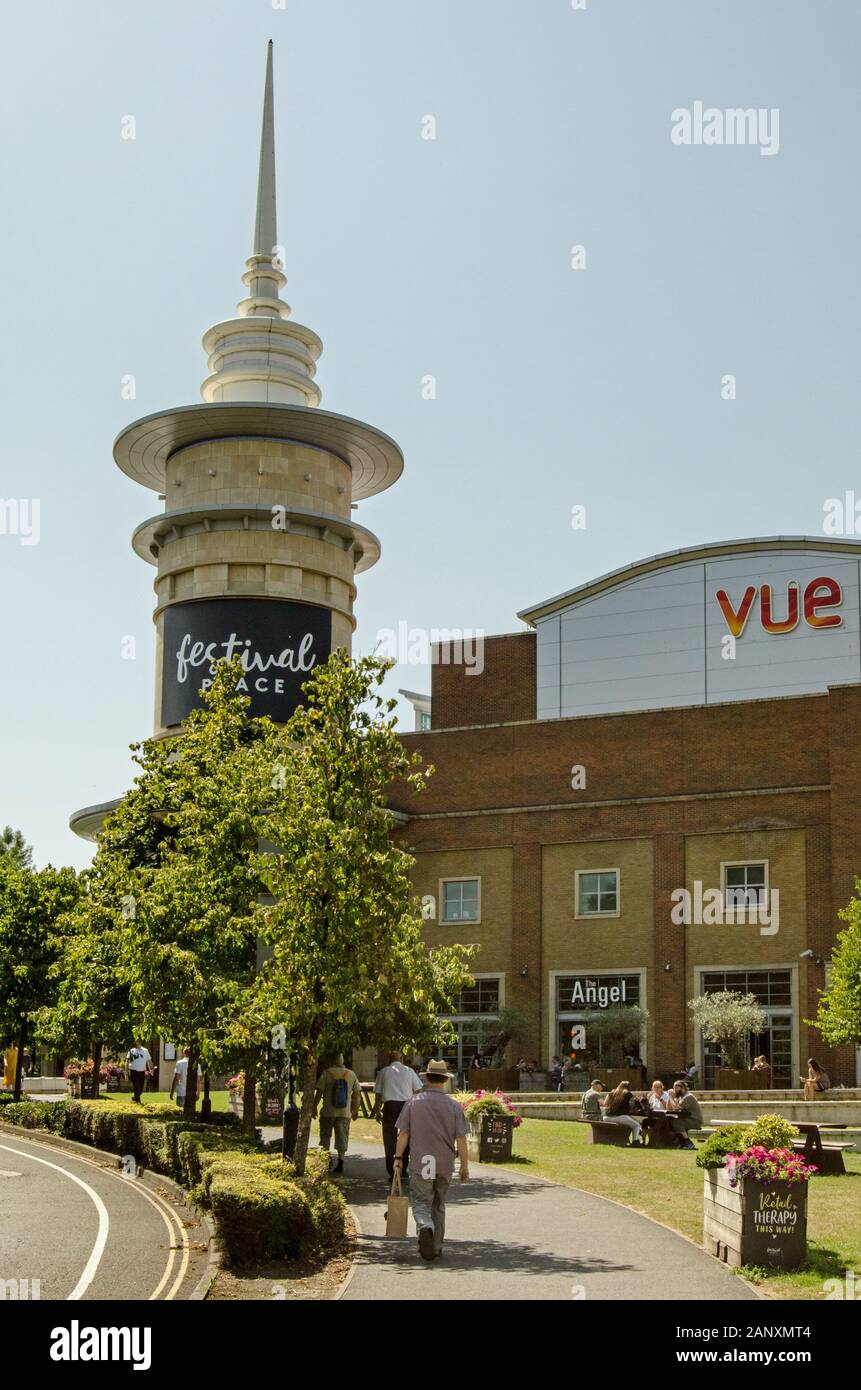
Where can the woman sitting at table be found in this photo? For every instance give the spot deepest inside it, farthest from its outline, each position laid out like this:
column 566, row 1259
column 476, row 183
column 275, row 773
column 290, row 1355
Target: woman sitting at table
column 618, row 1108
column 658, row 1098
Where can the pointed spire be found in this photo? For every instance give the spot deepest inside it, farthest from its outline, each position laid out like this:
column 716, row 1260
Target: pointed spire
column 265, row 231
column 250, row 360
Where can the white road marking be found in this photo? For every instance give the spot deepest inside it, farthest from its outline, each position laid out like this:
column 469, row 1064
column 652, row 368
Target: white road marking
column 165, row 1211
column 98, row 1249
column 8, row 1173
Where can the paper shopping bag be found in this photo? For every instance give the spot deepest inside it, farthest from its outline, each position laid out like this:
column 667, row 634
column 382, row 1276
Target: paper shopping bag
column 397, row 1210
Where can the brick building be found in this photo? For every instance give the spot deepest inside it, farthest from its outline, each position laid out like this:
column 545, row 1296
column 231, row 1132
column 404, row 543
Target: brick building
column 691, row 722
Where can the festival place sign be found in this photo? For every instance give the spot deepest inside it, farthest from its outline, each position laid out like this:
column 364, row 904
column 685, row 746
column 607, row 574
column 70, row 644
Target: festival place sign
column 278, row 644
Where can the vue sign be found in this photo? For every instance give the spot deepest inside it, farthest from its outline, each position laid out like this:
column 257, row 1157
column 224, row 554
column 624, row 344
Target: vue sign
column 819, row 593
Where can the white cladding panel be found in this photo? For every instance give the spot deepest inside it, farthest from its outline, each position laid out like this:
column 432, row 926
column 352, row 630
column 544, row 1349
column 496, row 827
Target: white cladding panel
column 663, row 639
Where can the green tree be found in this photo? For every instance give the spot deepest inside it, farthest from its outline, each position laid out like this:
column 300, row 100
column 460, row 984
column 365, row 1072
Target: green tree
column 91, row 1011
column 347, row 967
column 183, row 850
column 14, row 850
column 838, row 1017
column 32, row 904
column 728, row 1018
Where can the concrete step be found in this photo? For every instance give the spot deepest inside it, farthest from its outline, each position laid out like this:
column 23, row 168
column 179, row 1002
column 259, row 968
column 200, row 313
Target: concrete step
column 568, row 1097
column 823, row 1112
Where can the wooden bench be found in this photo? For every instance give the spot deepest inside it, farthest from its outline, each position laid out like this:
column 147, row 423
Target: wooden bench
column 828, row 1158
column 603, row 1132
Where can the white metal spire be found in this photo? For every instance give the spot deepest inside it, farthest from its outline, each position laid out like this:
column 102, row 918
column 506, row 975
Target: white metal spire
column 249, row 360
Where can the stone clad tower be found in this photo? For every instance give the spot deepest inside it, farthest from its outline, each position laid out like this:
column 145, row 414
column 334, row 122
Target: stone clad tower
column 256, row 549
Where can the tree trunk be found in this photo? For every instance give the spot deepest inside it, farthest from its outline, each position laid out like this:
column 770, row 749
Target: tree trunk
column 206, row 1103
column 249, row 1095
column 97, row 1066
column 189, row 1105
column 309, row 1079
column 19, row 1065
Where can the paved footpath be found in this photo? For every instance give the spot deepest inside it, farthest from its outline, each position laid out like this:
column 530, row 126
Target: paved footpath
column 519, row 1238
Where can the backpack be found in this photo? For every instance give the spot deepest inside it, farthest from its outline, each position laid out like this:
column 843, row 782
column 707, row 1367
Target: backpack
column 340, row 1093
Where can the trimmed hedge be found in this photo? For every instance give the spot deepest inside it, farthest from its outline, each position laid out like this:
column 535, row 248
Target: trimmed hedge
column 262, row 1210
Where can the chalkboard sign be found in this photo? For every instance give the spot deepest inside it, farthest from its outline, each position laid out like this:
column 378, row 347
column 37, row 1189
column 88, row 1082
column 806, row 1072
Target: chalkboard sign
column 497, row 1132
column 774, row 1229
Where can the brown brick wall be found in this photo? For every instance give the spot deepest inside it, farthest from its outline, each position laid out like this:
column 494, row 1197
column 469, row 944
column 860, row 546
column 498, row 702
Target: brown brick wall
column 753, row 776
column 503, row 691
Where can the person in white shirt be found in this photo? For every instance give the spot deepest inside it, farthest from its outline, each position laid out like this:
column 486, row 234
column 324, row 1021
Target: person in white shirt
column 139, row 1065
column 658, row 1097
column 394, row 1086
column 180, row 1078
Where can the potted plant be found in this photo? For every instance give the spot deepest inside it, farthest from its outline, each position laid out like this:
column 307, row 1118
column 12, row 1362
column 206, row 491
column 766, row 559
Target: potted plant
column 728, row 1019
column 755, row 1195
column 614, row 1034
column 492, row 1122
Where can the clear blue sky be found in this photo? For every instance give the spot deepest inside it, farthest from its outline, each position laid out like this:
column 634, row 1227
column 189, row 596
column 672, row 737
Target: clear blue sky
column 451, row 257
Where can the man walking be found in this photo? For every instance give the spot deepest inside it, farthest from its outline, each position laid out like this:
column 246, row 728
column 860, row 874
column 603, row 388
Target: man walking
column 340, row 1089
column 435, row 1128
column 139, row 1065
column 395, row 1084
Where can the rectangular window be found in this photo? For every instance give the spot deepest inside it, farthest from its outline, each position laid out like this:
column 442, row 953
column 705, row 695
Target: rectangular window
column 597, row 893
column 745, row 886
column 424, row 722
column 460, row 900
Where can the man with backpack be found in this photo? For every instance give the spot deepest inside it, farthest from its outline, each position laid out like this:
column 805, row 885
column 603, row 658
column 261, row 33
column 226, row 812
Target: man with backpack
column 339, row 1088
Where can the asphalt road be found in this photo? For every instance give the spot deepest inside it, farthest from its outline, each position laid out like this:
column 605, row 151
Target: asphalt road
column 84, row 1231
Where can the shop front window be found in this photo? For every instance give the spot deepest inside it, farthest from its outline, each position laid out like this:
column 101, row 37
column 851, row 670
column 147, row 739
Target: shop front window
column 772, row 990
column 578, row 996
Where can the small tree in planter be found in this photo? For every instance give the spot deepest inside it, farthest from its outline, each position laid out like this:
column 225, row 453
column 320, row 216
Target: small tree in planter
column 728, row 1019
column 614, row 1033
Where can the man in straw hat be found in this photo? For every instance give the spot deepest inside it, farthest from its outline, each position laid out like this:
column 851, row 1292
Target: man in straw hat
column 435, row 1128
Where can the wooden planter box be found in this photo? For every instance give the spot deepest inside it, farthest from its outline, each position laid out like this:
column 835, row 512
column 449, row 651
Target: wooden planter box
column 534, row 1081
column 494, row 1079
column 727, row 1080
column 755, row 1223
column 492, row 1143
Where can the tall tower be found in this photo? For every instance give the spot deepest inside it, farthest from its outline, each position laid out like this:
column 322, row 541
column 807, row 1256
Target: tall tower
column 256, row 550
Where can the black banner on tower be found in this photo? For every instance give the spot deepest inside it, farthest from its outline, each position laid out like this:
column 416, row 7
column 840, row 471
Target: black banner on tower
column 278, row 643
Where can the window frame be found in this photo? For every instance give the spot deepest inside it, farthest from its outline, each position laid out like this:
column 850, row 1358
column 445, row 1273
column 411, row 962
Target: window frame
column 444, row 921
column 742, row 914
column 592, row 916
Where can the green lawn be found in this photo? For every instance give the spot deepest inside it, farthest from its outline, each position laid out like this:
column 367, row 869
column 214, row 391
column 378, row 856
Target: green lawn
column 667, row 1185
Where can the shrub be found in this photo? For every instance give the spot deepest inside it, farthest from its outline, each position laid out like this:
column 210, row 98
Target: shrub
column 722, row 1142
column 261, row 1209
column 259, row 1217
column 771, row 1132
